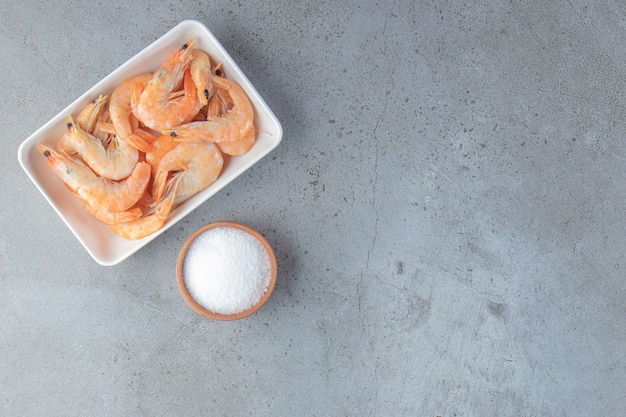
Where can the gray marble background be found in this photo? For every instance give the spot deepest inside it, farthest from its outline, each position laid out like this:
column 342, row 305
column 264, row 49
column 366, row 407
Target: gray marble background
column 446, row 206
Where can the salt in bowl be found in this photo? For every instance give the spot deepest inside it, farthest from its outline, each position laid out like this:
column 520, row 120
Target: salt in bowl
column 226, row 271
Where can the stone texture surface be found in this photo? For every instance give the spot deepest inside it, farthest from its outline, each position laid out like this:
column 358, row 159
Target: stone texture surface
column 446, row 206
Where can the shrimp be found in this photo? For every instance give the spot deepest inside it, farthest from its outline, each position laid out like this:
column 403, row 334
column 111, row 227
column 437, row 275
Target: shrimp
column 121, row 110
column 200, row 68
column 114, row 218
column 116, row 161
column 100, row 193
column 195, row 165
column 151, row 222
column 87, row 119
column 239, row 146
column 214, row 108
column 161, row 146
column 104, row 129
column 157, row 107
column 220, row 104
column 217, row 70
column 227, row 128
column 189, row 84
column 146, row 135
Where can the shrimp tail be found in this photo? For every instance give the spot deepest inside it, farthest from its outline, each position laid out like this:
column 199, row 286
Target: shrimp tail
column 145, row 135
column 137, row 141
column 115, row 218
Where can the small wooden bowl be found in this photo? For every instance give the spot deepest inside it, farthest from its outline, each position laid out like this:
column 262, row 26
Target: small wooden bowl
column 202, row 310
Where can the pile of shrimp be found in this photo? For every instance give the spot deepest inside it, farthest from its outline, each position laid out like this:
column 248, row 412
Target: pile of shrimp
column 157, row 140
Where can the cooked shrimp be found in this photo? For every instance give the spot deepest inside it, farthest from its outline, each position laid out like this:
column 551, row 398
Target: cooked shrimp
column 115, row 161
column 146, row 135
column 196, row 109
column 121, row 110
column 104, row 129
column 239, row 146
column 114, row 218
column 227, row 128
column 201, row 71
column 100, row 193
column 217, row 70
column 161, row 146
column 150, row 222
column 87, row 119
column 219, row 103
column 157, row 107
column 201, row 116
column 214, row 108
column 195, row 165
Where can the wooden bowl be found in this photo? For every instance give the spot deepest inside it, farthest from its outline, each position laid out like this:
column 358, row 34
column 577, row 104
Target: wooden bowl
column 201, row 309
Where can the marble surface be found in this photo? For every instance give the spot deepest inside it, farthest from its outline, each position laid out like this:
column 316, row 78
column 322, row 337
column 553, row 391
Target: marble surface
column 446, row 207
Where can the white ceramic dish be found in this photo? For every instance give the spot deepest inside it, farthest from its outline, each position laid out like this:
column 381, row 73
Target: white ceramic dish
column 101, row 243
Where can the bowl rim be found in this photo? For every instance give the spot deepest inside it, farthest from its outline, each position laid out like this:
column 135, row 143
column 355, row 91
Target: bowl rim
column 180, row 279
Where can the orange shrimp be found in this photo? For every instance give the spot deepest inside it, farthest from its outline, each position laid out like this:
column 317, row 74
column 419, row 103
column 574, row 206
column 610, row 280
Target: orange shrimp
column 150, row 222
column 227, row 128
column 239, row 146
column 121, row 110
column 100, row 193
column 220, row 104
column 114, row 218
column 104, row 129
column 158, row 108
column 195, row 165
column 87, row 119
column 161, row 146
column 200, row 68
column 214, row 108
column 217, row 70
column 190, row 85
column 115, row 161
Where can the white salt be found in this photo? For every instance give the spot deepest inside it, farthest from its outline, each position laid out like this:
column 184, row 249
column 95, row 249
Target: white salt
column 226, row 270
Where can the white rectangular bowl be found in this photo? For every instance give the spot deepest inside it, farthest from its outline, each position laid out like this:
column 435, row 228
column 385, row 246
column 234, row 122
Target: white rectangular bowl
column 101, row 243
